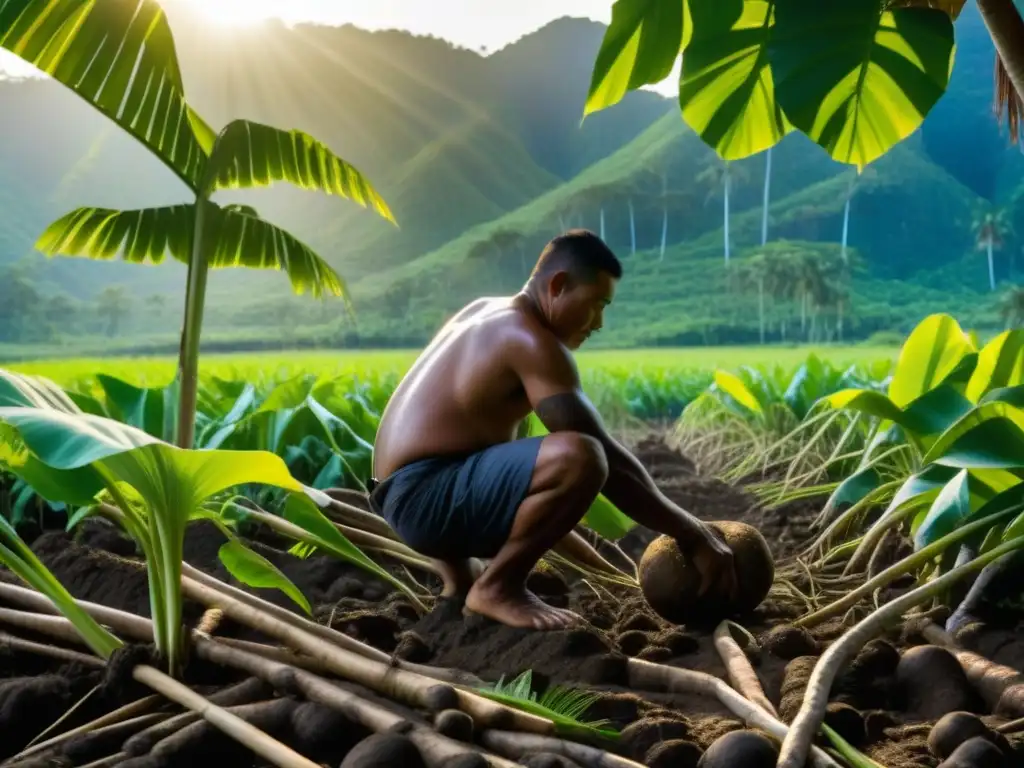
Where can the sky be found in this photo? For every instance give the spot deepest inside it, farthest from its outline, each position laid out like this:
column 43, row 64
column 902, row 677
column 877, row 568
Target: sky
column 467, row 23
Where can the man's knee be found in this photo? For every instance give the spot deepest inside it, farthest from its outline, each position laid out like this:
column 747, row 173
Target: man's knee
column 577, row 458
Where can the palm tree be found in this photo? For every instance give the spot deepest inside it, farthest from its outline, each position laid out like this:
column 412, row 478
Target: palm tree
column 855, row 181
column 120, row 58
column 990, row 230
column 720, row 177
column 764, row 204
column 1012, row 307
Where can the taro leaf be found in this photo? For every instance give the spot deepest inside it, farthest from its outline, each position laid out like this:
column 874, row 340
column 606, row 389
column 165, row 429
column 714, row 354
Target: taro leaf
column 991, row 436
column 639, row 48
column 856, row 79
column 1000, row 365
column 952, row 7
column 20, row 390
column 804, row 386
column 933, row 352
column 867, row 401
column 854, row 488
column 950, row 508
column 251, row 154
column 22, row 561
column 936, row 410
column 144, row 408
column 734, row 387
column 254, row 570
column 1010, row 395
column 331, row 475
column 726, row 92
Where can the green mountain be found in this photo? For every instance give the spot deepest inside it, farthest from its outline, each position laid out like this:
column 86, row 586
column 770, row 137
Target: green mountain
column 483, row 158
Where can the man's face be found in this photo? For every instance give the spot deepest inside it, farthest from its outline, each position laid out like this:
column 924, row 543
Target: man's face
column 577, row 308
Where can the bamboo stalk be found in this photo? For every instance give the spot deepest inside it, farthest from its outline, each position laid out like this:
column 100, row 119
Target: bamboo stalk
column 738, row 667
column 392, row 681
column 245, row 733
column 436, row 749
column 107, row 762
column 122, row 714
column 41, row 649
column 520, row 745
column 645, row 675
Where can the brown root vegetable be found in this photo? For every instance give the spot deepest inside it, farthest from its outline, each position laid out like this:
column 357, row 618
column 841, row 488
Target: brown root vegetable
column 976, row 753
column 741, row 674
column 383, row 750
column 933, row 683
column 670, row 583
column 673, row 753
column 955, row 728
column 787, row 642
column 455, row 724
column 747, row 748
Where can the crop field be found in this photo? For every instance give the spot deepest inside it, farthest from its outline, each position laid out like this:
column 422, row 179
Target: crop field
column 847, row 482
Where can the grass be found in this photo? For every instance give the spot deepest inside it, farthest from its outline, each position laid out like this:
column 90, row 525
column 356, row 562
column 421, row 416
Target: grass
column 659, row 362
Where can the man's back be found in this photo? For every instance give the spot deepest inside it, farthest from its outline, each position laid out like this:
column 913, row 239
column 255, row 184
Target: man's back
column 459, row 396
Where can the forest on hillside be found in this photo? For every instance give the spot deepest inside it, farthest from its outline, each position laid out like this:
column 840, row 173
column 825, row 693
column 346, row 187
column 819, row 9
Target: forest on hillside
column 482, row 157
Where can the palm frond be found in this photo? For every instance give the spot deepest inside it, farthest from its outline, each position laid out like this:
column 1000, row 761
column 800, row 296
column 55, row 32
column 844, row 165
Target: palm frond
column 1007, row 100
column 119, row 57
column 236, row 237
column 251, row 154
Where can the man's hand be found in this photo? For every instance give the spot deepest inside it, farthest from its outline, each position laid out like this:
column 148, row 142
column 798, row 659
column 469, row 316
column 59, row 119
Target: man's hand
column 714, row 561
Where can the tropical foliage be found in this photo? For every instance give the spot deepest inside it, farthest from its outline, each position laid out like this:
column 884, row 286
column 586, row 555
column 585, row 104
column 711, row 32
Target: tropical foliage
column 752, row 69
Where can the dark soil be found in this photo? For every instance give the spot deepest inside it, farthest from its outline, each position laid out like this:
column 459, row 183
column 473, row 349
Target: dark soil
column 97, row 563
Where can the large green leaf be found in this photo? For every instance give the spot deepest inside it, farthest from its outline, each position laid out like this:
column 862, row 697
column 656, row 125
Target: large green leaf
column 854, row 488
column 950, row 508
column 857, row 79
column 932, row 353
column 726, row 92
column 990, row 437
column 117, row 55
column 639, row 48
column 235, row 238
column 1000, row 364
column 17, row 389
column 250, row 154
column 254, row 570
column 734, row 387
column 151, row 409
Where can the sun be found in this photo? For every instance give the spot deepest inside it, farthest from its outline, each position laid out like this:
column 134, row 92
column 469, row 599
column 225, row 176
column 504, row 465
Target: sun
column 238, row 13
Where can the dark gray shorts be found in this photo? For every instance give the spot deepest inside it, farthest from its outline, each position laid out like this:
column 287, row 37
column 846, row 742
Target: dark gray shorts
column 459, row 507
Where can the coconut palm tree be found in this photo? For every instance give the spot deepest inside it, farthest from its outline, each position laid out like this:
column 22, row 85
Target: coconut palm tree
column 856, row 179
column 990, row 230
column 120, row 58
column 1012, row 307
column 767, row 194
column 719, row 177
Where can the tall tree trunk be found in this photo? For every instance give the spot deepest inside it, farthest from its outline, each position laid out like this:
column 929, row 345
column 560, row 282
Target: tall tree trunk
column 632, row 229
column 839, row 321
column 764, row 207
column 1006, row 28
column 803, row 312
column 726, row 214
column 664, row 231
column 846, row 219
column 991, row 266
column 602, row 222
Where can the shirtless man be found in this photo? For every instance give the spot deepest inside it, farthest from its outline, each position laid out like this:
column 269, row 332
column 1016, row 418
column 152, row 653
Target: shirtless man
column 453, row 480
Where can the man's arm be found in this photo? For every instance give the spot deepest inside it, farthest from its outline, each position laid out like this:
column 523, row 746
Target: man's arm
column 552, row 385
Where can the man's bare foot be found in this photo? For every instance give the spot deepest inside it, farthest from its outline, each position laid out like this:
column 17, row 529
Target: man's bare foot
column 517, row 608
column 458, row 576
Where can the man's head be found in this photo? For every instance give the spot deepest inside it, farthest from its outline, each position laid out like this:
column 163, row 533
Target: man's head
column 572, row 283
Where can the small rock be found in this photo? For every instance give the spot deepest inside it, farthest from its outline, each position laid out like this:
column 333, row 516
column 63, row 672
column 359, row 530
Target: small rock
column 976, row 753
column 933, row 683
column 787, row 642
column 455, row 724
column 740, row 748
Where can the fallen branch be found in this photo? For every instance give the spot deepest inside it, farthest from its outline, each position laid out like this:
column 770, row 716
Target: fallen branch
column 738, row 667
column 519, row 745
column 413, row 688
column 122, row 714
column 244, row 733
column 646, row 675
column 807, row 721
column 436, row 749
column 41, row 649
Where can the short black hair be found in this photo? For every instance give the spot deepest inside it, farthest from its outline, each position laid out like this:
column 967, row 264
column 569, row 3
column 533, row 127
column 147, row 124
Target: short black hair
column 579, row 252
